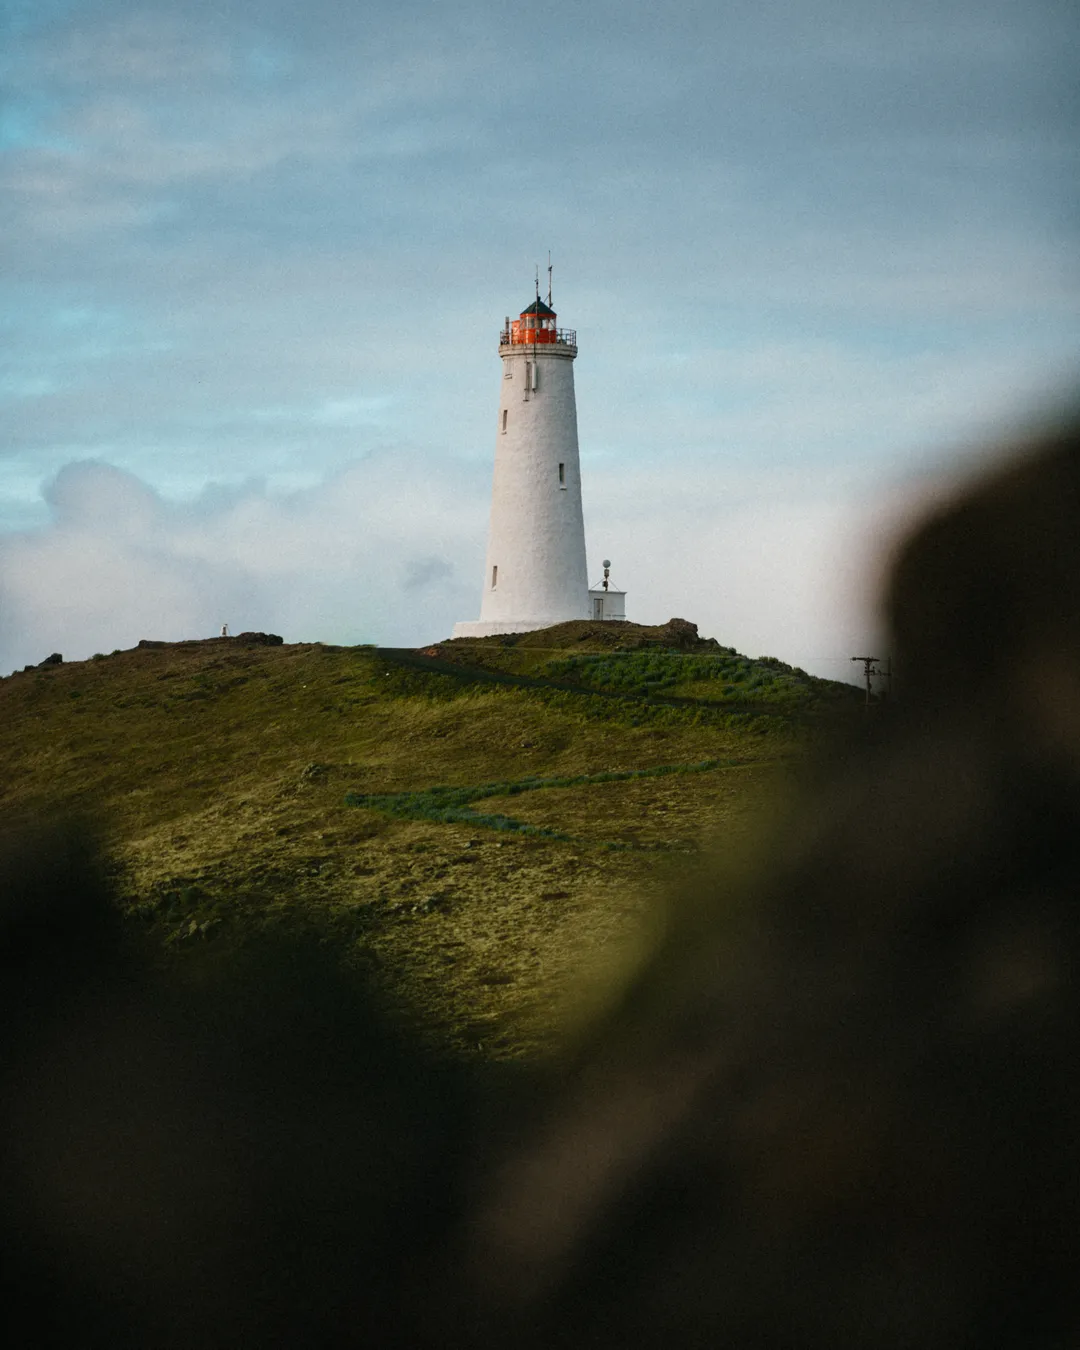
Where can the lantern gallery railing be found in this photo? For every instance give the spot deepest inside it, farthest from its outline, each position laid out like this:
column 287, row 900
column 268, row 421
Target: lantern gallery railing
column 517, row 336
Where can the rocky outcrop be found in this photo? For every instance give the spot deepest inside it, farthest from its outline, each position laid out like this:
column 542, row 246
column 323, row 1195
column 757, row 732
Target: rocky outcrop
column 590, row 635
column 679, row 633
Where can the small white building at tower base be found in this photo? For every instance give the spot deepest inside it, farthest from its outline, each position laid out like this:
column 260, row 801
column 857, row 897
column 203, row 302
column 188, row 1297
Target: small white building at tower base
column 609, row 604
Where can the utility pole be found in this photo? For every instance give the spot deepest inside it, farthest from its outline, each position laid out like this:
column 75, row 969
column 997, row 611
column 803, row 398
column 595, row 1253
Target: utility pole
column 886, row 693
column 870, row 665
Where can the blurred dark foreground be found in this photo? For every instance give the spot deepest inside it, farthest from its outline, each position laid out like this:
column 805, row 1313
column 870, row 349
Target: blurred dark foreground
column 841, row 1108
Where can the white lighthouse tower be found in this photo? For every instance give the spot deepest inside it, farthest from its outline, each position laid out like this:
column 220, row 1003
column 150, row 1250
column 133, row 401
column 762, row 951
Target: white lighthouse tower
column 535, row 572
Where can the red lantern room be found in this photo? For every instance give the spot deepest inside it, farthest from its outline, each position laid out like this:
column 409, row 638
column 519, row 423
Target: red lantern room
column 536, row 325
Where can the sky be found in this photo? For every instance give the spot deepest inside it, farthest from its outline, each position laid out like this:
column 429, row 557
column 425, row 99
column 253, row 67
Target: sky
column 820, row 255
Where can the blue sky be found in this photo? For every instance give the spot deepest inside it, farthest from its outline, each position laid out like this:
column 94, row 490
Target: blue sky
column 257, row 256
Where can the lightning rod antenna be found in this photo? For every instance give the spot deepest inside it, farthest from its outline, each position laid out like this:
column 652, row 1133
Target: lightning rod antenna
column 549, row 278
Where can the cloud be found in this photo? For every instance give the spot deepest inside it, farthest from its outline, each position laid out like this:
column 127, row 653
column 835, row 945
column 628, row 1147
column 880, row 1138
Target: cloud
column 787, row 563
column 86, row 496
column 421, row 573
column 391, row 550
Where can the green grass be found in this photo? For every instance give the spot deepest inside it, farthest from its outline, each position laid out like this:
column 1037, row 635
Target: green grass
column 451, row 805
column 335, row 791
column 717, row 677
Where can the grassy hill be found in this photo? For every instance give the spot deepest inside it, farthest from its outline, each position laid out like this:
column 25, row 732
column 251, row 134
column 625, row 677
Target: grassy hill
column 475, row 822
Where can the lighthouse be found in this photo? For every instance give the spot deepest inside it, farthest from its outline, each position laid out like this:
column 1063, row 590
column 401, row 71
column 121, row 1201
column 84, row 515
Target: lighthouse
column 535, row 573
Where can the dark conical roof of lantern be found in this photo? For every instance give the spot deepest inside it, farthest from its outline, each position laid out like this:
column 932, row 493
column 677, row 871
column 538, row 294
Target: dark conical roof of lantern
column 538, row 307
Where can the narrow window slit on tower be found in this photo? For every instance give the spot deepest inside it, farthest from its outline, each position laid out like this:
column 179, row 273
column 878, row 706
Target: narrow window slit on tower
column 562, row 475
column 494, row 576
column 504, row 419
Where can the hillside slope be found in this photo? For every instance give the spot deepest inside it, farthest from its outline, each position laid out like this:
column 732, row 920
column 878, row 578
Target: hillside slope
column 476, row 822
